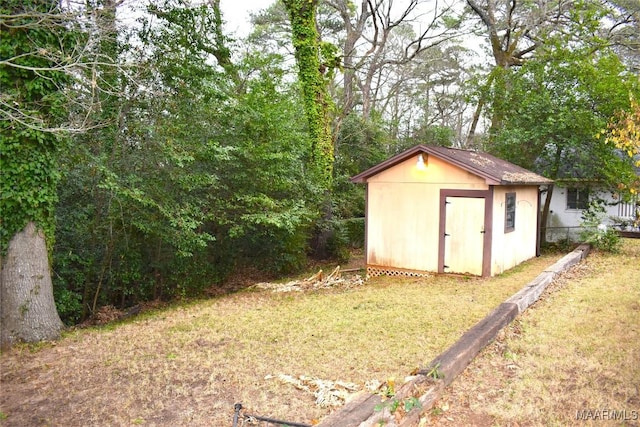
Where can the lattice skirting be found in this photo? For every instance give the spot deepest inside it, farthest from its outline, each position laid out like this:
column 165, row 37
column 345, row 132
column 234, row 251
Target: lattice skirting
column 376, row 270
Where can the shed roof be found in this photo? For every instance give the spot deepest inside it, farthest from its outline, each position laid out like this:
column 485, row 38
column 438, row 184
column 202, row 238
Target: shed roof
column 494, row 170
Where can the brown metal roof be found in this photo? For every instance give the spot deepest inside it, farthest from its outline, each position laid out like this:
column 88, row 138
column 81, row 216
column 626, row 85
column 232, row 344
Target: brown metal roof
column 494, row 170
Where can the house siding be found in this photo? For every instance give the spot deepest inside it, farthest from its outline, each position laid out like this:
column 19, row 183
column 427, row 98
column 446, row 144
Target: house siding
column 511, row 248
column 564, row 223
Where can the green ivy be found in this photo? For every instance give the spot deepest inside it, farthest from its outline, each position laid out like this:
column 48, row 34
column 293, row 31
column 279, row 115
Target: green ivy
column 309, row 51
column 28, row 184
column 28, row 150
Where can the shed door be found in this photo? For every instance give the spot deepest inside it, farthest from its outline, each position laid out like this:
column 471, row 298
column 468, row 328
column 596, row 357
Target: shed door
column 464, row 235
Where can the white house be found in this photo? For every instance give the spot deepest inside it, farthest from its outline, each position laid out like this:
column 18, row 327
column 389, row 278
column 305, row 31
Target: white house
column 571, row 198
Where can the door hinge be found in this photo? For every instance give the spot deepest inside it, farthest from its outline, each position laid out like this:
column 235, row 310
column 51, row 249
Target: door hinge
column 446, row 235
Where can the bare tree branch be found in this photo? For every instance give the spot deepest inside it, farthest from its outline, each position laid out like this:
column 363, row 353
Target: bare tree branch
column 366, row 53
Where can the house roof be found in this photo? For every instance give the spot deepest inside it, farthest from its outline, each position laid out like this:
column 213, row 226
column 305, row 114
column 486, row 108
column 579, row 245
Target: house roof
column 495, row 171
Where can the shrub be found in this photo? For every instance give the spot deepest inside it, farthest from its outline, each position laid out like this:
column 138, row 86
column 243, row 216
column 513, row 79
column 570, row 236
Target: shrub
column 596, row 232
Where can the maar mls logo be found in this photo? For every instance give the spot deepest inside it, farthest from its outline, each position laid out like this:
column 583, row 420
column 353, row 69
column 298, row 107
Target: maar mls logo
column 607, row 414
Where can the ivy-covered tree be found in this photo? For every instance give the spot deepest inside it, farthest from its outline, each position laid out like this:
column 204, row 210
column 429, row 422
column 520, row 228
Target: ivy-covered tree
column 309, row 50
column 317, row 103
column 32, row 86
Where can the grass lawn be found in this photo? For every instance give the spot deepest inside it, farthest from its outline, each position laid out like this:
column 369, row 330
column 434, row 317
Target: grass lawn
column 188, row 365
column 574, row 354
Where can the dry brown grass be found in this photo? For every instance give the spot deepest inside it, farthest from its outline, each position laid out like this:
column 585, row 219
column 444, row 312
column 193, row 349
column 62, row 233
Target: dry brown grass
column 188, row 365
column 578, row 349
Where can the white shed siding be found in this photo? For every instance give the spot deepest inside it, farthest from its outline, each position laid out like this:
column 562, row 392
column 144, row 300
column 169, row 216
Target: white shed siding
column 403, row 212
column 511, row 248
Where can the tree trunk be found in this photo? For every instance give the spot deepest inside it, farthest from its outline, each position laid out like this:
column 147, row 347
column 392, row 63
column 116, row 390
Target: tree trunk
column 471, row 136
column 27, row 309
column 544, row 221
column 317, row 104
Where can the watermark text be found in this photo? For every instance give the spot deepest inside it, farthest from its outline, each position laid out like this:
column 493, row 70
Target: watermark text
column 607, row 415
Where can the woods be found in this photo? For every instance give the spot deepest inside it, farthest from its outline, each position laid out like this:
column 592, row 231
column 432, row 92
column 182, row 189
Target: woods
column 154, row 155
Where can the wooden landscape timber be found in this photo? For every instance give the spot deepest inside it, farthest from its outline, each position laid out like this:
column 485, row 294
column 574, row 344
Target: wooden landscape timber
column 419, row 393
column 630, row 234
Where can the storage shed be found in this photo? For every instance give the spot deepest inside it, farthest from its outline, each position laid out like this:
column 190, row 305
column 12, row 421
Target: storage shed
column 438, row 209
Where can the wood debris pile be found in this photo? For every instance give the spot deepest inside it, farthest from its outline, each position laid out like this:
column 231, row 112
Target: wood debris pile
column 317, row 281
column 328, row 394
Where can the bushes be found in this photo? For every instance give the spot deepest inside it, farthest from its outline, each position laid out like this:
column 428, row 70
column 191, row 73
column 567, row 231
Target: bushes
column 602, row 237
column 188, row 189
column 595, row 230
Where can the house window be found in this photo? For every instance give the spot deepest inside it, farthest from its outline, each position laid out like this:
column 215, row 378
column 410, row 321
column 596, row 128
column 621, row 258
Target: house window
column 577, row 198
column 510, row 212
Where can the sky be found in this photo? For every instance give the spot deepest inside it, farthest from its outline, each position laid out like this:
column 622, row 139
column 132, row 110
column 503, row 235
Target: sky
column 236, row 13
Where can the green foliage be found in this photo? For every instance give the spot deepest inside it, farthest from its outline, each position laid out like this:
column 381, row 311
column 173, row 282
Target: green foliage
column 411, row 403
column 268, row 195
column 28, row 150
column 435, row 372
column 553, row 111
column 431, row 135
column 624, row 133
column 561, row 246
column 68, row 304
column 317, row 103
column 28, row 183
column 596, row 231
column 354, row 230
column 338, row 242
column 201, row 177
column 330, row 59
column 360, row 144
column 408, row 404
